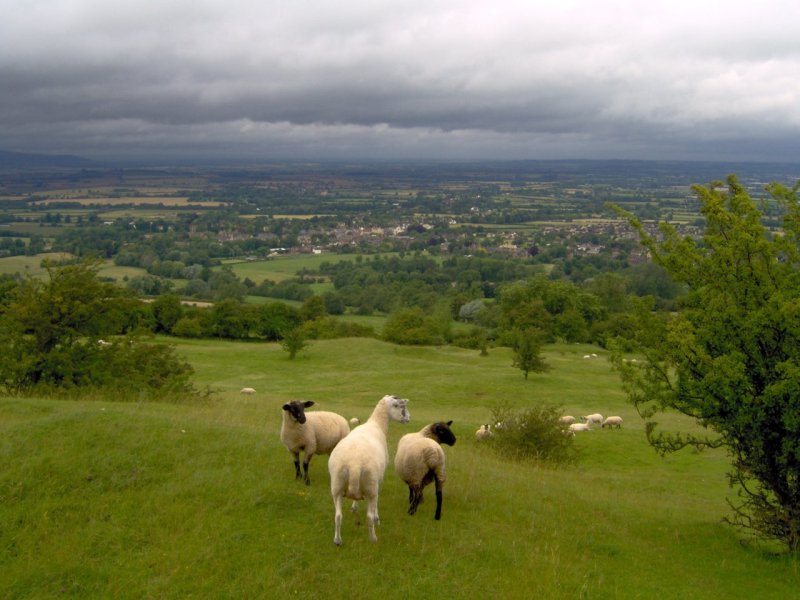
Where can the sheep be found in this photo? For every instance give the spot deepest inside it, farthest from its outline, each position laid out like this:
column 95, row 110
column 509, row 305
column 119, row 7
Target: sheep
column 420, row 460
column 593, row 418
column 612, row 421
column 483, row 432
column 247, row 391
column 579, row 427
column 566, row 420
column 316, row 432
column 354, row 422
column 357, row 465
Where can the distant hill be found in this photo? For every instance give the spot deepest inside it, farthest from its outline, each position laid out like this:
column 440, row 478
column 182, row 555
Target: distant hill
column 22, row 160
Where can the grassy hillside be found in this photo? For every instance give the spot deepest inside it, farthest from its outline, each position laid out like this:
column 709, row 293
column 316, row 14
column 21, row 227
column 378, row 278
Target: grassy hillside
column 103, row 499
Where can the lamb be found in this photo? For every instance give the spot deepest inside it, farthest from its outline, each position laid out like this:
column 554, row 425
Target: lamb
column 354, row 422
column 593, row 418
column 483, row 432
column 316, row 432
column 357, row 465
column 612, row 421
column 247, row 391
column 420, row 460
column 566, row 420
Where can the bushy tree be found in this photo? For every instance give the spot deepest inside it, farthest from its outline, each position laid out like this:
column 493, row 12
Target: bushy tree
column 531, row 433
column 413, row 326
column 527, row 347
column 52, row 344
column 730, row 358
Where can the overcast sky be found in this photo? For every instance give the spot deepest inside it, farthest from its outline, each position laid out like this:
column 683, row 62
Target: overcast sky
column 401, row 79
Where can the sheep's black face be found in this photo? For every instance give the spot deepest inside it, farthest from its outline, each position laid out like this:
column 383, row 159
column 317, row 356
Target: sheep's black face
column 297, row 410
column 443, row 433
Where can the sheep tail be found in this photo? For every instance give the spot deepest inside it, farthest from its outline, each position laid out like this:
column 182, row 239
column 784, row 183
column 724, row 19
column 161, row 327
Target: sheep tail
column 354, row 483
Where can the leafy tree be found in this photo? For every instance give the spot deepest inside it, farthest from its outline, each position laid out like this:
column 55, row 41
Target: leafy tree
column 413, row 326
column 293, row 342
column 527, row 346
column 730, row 359
column 312, row 308
column 167, row 311
column 51, row 331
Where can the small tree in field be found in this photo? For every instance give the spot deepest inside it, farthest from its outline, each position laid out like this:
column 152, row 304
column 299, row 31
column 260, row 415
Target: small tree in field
column 293, row 342
column 730, row 359
column 527, row 346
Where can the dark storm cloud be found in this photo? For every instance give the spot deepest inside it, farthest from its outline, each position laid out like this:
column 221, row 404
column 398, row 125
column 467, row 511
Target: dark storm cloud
column 400, row 79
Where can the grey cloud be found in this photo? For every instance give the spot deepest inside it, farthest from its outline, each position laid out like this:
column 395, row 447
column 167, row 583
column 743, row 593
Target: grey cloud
column 509, row 79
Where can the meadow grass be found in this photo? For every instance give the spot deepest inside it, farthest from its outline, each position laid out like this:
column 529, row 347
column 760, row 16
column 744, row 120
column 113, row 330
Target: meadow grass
column 280, row 268
column 112, row 500
column 32, row 265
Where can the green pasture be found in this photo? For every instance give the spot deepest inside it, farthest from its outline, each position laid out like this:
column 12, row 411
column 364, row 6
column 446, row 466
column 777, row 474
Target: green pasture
column 100, row 499
column 32, row 265
column 280, row 268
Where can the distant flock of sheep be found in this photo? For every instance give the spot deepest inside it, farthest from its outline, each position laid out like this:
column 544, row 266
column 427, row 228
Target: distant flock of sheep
column 569, row 425
column 359, row 456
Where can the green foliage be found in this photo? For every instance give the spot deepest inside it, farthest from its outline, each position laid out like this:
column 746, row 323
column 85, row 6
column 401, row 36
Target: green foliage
column 293, row 342
column 531, row 433
column 731, row 358
column 52, row 331
column 414, row 326
column 167, row 311
column 328, row 328
column 527, row 347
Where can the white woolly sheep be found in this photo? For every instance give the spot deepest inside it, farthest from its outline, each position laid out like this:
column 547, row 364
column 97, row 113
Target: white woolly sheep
column 357, row 465
column 593, row 418
column 316, row 432
column 420, row 460
column 247, row 391
column 483, row 432
column 612, row 422
column 354, row 422
column 566, row 420
column 580, row 427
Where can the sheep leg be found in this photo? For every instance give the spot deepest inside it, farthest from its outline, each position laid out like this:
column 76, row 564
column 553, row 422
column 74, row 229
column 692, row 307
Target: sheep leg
column 438, row 514
column 372, row 517
column 415, row 497
column 297, row 474
column 305, row 468
column 337, row 520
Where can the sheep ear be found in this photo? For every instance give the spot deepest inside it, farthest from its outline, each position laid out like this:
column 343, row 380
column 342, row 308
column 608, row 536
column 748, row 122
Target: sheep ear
column 449, row 423
column 286, row 406
column 308, row 403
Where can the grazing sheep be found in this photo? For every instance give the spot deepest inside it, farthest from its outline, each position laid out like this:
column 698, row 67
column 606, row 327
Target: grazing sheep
column 612, row 421
column 579, row 427
column 357, row 465
column 420, row 460
column 566, row 420
column 315, row 432
column 483, row 432
column 247, row 391
column 354, row 422
column 593, row 418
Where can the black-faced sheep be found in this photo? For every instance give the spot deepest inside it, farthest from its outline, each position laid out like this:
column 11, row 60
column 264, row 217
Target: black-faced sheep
column 358, row 463
column 316, row 432
column 420, row 460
